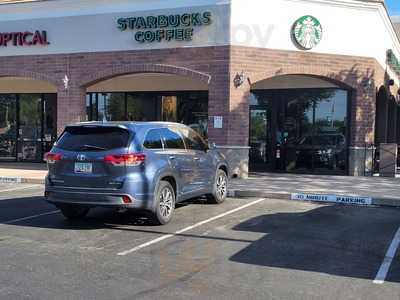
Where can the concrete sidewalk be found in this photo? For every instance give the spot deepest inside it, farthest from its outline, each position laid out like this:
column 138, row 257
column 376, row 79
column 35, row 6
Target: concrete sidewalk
column 382, row 191
column 23, row 172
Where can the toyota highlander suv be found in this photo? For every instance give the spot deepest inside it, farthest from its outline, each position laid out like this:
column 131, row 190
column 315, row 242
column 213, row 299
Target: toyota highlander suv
column 147, row 166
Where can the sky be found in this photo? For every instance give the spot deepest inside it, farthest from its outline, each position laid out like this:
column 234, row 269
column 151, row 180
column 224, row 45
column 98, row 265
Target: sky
column 394, row 7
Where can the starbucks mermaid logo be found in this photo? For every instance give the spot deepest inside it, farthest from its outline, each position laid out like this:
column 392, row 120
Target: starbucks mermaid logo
column 307, row 32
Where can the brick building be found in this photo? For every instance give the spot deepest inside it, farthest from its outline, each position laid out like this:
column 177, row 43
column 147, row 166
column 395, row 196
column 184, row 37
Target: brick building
column 287, row 86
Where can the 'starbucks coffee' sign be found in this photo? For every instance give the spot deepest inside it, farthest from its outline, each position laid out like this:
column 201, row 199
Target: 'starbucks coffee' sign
column 178, row 27
column 307, row 32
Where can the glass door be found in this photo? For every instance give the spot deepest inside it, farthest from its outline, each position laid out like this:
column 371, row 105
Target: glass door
column 49, row 121
column 330, row 132
column 259, row 154
column 295, row 134
column 299, row 131
column 30, row 127
column 8, row 127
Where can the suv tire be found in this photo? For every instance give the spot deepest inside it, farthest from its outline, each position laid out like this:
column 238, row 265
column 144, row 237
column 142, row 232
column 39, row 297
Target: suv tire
column 220, row 188
column 164, row 203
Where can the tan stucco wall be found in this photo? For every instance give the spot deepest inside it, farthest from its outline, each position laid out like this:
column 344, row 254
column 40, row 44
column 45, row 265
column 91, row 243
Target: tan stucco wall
column 15, row 85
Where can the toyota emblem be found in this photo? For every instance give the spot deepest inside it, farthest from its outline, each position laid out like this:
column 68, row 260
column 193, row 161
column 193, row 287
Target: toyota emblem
column 81, row 157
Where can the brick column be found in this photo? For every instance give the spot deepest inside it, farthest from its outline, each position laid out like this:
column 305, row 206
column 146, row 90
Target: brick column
column 232, row 104
column 362, row 130
column 71, row 106
column 238, row 134
column 218, row 97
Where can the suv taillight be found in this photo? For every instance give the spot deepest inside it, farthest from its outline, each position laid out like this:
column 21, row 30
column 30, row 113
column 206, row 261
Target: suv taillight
column 129, row 160
column 51, row 158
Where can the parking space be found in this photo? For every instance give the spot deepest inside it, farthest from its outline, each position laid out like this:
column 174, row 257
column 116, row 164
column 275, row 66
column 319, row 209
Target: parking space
column 258, row 248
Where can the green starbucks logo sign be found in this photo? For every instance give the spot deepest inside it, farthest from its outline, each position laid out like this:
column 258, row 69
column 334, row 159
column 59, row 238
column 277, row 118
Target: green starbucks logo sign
column 307, row 32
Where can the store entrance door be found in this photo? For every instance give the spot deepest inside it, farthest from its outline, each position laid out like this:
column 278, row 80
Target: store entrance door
column 36, row 125
column 30, row 128
column 299, row 131
column 260, row 142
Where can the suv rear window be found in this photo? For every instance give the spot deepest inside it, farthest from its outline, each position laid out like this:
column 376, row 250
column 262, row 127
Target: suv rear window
column 93, row 139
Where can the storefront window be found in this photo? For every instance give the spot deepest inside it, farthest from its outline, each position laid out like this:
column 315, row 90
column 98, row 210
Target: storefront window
column 260, row 144
column 49, row 121
column 294, row 133
column 8, row 127
column 30, row 127
column 330, row 132
column 299, row 130
column 190, row 108
column 89, row 105
column 193, row 111
column 111, row 106
column 169, row 108
column 142, row 107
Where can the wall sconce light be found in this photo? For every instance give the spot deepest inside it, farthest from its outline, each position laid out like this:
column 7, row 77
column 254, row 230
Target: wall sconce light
column 239, row 79
column 66, row 82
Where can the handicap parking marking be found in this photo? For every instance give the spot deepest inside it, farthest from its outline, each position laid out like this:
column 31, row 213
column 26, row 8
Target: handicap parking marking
column 168, row 236
column 387, row 261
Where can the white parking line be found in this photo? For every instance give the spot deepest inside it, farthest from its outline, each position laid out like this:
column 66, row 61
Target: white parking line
column 167, row 236
column 387, row 261
column 31, row 217
column 19, row 188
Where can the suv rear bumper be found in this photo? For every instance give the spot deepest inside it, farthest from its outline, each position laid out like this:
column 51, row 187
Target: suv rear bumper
column 91, row 199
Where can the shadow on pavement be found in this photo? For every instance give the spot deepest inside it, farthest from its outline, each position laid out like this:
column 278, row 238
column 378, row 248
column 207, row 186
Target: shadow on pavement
column 337, row 240
column 98, row 218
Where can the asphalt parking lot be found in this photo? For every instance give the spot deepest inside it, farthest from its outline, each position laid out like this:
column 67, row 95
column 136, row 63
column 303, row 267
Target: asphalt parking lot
column 245, row 248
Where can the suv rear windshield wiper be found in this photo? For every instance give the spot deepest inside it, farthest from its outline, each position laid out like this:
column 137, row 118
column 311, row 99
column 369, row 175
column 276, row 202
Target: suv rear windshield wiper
column 92, row 147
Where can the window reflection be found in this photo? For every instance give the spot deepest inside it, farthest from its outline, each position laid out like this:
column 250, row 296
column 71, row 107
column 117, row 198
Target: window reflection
column 190, row 108
column 305, row 130
column 30, row 127
column 111, row 106
column 330, row 128
column 8, row 128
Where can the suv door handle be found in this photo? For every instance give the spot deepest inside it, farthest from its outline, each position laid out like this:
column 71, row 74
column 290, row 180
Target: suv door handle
column 172, row 157
column 196, row 158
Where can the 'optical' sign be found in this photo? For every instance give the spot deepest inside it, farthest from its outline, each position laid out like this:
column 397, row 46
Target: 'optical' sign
column 160, row 28
column 23, row 38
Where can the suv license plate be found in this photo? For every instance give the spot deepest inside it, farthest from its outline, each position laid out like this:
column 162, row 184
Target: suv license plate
column 83, row 168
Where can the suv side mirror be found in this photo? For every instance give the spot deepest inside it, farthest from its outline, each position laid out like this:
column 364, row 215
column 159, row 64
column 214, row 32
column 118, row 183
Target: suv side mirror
column 212, row 146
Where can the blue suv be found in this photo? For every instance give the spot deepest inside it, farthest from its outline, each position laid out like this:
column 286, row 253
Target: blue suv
column 147, row 166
